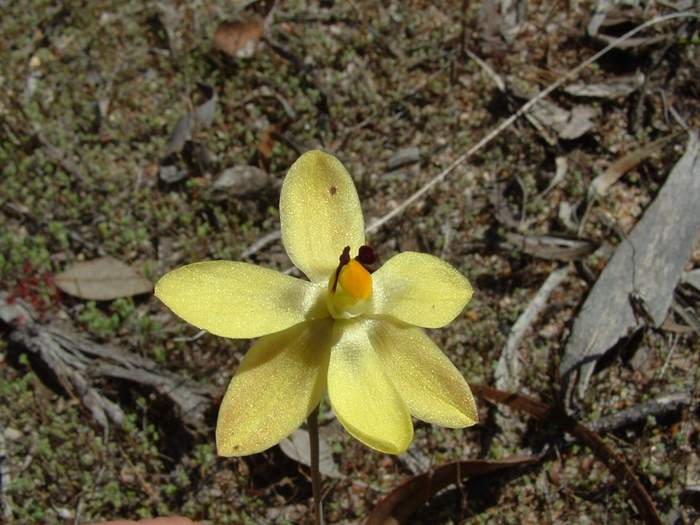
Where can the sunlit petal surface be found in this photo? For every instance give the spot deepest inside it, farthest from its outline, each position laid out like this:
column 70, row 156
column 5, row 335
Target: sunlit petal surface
column 239, row 300
column 419, row 289
column 427, row 381
column 278, row 384
column 364, row 399
column 320, row 214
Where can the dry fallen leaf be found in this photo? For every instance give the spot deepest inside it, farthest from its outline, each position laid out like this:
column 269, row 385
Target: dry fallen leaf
column 201, row 118
column 613, row 88
column 296, row 447
column 239, row 39
column 551, row 247
column 397, row 507
column 645, row 269
column 601, row 184
column 102, row 279
column 403, row 157
column 238, row 180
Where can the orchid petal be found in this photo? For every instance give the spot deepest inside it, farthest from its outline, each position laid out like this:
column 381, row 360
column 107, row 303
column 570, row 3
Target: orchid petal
column 419, row 289
column 239, row 300
column 427, row 381
column 364, row 399
column 279, row 382
column 320, row 214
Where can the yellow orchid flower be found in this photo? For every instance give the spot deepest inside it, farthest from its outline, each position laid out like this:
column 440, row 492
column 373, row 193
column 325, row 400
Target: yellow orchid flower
column 346, row 330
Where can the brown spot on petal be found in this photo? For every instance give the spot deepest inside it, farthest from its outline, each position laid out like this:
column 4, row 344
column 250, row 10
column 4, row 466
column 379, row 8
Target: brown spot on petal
column 332, row 190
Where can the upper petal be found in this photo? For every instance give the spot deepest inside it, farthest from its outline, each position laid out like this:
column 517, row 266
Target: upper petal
column 279, row 382
column 320, row 214
column 239, row 300
column 419, row 289
column 428, row 382
column 364, row 399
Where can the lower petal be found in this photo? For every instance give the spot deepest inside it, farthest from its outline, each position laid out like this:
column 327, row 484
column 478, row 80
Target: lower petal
column 428, row 382
column 364, row 399
column 278, row 384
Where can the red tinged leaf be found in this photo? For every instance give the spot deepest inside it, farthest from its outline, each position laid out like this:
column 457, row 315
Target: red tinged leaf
column 397, row 507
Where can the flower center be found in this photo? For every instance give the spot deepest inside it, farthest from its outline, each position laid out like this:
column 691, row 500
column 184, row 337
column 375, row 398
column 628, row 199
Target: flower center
column 350, row 286
column 355, row 280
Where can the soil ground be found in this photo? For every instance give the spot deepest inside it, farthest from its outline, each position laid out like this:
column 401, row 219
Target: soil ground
column 90, row 95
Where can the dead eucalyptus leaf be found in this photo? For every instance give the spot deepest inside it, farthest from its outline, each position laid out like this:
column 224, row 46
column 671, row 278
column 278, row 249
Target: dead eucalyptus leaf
column 613, row 88
column 102, row 279
column 602, row 183
column 403, row 157
column 296, row 447
column 201, row 118
column 550, row 246
column 579, row 122
column 645, row 267
column 239, row 180
column 550, row 119
column 239, row 39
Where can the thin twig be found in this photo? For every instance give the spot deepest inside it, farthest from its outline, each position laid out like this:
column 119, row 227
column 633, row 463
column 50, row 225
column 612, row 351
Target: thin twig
column 191, row 338
column 507, row 373
column 638, row 109
column 263, row 241
column 500, row 84
column 668, row 359
column 312, row 423
column 523, row 109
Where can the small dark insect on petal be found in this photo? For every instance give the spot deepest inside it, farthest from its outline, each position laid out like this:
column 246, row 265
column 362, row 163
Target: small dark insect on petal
column 332, row 190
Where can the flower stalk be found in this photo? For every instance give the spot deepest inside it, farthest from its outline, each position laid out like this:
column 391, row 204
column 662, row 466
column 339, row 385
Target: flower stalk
column 312, row 423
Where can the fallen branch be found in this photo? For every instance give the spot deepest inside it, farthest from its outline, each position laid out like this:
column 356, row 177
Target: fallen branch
column 77, row 362
column 660, row 407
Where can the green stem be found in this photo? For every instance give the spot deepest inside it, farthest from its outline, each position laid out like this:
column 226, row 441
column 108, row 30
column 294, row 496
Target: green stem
column 312, row 423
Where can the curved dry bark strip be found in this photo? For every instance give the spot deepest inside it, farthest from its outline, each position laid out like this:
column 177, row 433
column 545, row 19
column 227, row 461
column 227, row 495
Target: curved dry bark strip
column 398, row 506
column 507, row 373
